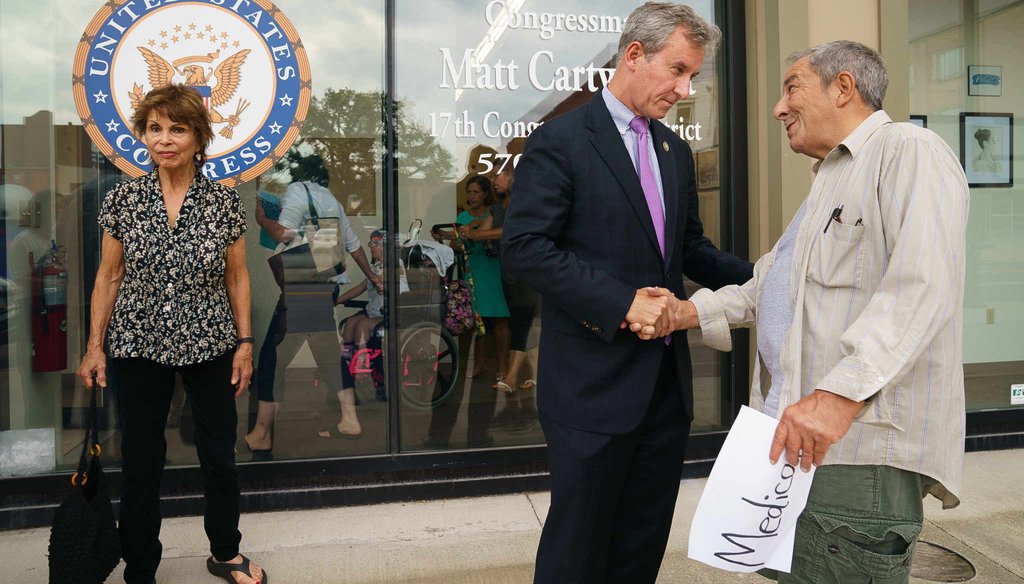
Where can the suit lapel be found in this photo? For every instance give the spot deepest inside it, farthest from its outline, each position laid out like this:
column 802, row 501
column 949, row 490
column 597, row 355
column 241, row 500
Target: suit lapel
column 608, row 142
column 669, row 184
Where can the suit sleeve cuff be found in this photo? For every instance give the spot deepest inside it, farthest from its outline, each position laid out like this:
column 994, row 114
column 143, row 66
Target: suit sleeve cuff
column 714, row 327
column 623, row 299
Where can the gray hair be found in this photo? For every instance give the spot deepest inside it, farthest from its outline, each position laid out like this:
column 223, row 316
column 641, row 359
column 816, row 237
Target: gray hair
column 652, row 24
column 865, row 65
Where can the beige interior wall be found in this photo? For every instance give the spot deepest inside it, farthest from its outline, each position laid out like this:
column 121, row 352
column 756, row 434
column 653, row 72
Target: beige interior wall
column 850, row 19
column 779, row 178
column 894, row 34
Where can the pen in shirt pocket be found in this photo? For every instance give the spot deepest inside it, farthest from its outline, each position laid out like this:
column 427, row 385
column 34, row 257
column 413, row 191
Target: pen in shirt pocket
column 836, row 216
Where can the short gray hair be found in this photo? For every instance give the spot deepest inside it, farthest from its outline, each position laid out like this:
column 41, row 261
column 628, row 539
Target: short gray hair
column 652, row 24
column 864, row 63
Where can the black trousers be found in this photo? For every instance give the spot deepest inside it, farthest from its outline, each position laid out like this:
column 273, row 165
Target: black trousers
column 612, row 496
column 144, row 398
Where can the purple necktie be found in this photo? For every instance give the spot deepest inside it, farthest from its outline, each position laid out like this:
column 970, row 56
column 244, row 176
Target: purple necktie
column 649, row 185
column 647, row 180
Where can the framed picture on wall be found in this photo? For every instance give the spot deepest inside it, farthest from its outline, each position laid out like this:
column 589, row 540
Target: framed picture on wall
column 984, row 80
column 921, row 121
column 681, row 117
column 986, row 149
column 707, row 169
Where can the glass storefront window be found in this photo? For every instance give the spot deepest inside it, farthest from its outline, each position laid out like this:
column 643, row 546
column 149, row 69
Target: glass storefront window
column 53, row 181
column 473, row 80
column 964, row 86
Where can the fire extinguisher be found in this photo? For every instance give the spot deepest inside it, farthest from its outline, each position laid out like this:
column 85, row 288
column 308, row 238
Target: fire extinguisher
column 49, row 311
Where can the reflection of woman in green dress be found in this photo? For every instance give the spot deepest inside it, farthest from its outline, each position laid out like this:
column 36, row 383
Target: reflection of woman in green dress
column 486, row 271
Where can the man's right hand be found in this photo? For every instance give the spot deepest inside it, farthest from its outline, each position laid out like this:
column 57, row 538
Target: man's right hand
column 94, row 363
column 685, row 316
column 653, row 311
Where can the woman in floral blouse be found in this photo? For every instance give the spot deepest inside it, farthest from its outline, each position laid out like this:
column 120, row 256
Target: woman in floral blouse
column 172, row 296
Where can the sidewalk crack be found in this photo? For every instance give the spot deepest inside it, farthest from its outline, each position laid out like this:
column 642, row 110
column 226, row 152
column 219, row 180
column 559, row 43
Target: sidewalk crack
column 534, row 507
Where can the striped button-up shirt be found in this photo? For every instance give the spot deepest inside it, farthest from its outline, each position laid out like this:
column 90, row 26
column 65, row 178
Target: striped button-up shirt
column 878, row 301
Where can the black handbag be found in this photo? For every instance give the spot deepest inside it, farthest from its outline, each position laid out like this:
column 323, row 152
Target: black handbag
column 84, row 543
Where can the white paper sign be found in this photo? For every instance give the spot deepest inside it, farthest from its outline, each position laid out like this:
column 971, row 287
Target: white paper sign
column 746, row 518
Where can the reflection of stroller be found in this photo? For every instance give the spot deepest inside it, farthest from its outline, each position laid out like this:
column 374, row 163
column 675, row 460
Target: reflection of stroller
column 428, row 355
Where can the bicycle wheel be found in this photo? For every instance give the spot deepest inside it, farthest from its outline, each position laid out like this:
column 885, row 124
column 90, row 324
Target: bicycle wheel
column 428, row 364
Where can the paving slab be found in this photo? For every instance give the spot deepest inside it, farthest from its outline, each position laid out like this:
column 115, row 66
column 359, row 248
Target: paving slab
column 990, row 518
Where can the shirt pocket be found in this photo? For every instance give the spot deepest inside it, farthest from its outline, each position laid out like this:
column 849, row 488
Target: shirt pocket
column 837, row 256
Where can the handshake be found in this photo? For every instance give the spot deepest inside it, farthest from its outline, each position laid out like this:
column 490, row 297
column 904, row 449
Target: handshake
column 656, row 312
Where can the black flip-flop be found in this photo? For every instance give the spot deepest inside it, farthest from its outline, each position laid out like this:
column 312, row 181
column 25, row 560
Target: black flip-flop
column 223, row 570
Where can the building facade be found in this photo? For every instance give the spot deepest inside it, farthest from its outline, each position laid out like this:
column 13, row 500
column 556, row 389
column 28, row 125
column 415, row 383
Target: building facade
column 406, row 102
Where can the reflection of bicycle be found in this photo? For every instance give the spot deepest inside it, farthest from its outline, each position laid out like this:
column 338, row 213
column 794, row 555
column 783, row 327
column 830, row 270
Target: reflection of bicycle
column 428, row 354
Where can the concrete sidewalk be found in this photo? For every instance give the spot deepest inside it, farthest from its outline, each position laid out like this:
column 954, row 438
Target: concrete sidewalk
column 492, row 540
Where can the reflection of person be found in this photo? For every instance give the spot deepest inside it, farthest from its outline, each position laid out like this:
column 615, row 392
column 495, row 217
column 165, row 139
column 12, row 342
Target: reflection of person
column 605, row 205
column 485, row 269
column 295, row 211
column 984, row 159
column 523, row 304
column 173, row 249
column 475, row 166
column 357, row 328
column 862, row 359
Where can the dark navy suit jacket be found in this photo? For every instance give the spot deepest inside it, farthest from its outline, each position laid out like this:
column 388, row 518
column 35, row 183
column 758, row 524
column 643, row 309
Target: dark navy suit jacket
column 578, row 231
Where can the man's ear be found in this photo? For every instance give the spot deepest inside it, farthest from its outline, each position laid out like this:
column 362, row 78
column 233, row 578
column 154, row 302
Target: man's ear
column 846, row 87
column 632, row 54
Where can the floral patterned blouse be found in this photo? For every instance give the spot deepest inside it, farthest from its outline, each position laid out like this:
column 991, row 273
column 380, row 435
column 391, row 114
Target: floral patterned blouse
column 172, row 306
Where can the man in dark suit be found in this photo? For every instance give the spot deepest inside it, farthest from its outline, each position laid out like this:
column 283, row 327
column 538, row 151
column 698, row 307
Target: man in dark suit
column 604, row 212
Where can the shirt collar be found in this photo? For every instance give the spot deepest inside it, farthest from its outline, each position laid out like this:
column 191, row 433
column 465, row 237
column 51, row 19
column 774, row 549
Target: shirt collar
column 855, row 141
column 859, row 136
column 621, row 114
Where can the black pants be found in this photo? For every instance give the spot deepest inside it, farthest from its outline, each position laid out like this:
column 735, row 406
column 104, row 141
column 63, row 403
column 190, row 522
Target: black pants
column 266, row 366
column 612, row 496
column 144, row 397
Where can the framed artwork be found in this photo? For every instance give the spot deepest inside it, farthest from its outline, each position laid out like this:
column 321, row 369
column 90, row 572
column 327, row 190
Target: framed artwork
column 921, row 121
column 986, row 149
column 707, row 169
column 984, row 80
column 682, row 117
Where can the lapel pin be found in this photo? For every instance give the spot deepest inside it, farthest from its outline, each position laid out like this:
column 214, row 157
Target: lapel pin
column 664, row 146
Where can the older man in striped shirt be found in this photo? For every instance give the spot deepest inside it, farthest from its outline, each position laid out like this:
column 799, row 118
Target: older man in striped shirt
column 858, row 309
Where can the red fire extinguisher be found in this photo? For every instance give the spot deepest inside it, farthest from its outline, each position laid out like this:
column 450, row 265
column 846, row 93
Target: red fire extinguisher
column 49, row 311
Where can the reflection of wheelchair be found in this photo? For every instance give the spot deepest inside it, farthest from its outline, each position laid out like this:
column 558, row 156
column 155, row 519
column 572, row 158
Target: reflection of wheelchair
column 428, row 354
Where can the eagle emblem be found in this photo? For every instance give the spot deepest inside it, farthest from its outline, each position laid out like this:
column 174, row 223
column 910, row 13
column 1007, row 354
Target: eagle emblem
column 194, row 72
column 257, row 94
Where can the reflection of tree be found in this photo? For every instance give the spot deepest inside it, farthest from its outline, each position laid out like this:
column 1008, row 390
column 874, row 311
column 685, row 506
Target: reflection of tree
column 345, row 127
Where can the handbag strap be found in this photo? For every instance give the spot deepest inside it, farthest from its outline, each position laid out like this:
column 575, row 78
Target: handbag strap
column 312, row 209
column 92, row 437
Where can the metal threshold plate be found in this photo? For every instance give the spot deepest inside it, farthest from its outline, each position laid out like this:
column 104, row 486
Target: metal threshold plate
column 935, row 563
